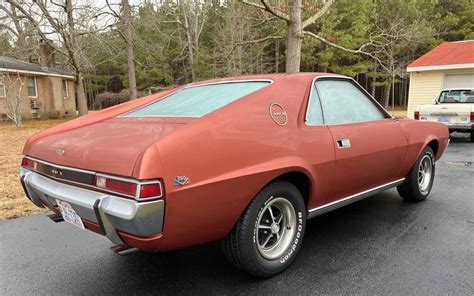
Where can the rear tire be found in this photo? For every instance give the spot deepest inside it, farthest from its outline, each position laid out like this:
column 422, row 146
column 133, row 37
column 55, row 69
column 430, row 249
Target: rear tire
column 268, row 235
column 419, row 181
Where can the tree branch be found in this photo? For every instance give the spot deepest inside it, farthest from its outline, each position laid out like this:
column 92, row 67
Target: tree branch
column 267, row 7
column 9, row 28
column 275, row 12
column 360, row 50
column 319, row 14
column 31, row 19
column 252, row 42
column 114, row 13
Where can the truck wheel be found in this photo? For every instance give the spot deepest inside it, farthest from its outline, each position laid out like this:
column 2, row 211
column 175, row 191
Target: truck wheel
column 268, row 235
column 418, row 182
column 472, row 136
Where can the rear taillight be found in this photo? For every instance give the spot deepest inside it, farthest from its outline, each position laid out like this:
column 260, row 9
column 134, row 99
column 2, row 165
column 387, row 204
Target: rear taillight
column 28, row 163
column 135, row 189
column 417, row 115
column 472, row 116
column 150, row 190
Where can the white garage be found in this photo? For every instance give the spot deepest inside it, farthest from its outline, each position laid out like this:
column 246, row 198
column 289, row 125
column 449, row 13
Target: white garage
column 449, row 65
column 458, row 80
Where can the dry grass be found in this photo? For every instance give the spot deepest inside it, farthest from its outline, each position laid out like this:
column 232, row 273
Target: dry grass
column 13, row 202
column 399, row 112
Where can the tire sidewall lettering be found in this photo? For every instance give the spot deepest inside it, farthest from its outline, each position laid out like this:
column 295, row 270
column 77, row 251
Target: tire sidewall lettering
column 296, row 241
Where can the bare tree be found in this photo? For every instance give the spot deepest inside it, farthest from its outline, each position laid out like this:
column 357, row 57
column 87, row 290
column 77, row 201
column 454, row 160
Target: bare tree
column 69, row 23
column 192, row 15
column 14, row 95
column 128, row 32
column 296, row 26
column 297, row 29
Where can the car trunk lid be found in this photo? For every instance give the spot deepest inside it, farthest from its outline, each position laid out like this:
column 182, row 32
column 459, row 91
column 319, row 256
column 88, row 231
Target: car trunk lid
column 110, row 146
column 446, row 113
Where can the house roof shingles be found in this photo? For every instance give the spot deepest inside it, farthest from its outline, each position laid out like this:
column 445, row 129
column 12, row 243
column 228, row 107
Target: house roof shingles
column 8, row 64
column 451, row 53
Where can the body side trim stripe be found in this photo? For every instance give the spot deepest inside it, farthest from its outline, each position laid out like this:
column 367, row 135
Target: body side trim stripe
column 352, row 198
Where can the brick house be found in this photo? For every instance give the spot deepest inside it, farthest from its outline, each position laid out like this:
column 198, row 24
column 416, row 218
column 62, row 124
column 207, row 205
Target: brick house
column 46, row 91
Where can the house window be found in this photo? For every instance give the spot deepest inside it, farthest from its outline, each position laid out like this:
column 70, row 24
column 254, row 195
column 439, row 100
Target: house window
column 2, row 86
column 32, row 87
column 65, row 90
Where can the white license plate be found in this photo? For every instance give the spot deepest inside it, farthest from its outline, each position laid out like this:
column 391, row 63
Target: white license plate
column 69, row 215
column 444, row 119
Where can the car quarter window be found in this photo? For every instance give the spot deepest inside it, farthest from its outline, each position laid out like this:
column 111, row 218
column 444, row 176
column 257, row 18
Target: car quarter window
column 197, row 101
column 342, row 102
column 314, row 115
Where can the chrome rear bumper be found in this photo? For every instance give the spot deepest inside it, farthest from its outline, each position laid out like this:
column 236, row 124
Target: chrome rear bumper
column 110, row 212
column 460, row 126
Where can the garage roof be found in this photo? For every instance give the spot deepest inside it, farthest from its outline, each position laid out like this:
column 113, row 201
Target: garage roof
column 450, row 55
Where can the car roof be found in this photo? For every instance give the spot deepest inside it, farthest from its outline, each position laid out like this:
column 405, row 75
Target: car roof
column 274, row 77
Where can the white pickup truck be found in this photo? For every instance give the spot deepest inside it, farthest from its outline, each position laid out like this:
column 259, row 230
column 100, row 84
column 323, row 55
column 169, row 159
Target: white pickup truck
column 453, row 107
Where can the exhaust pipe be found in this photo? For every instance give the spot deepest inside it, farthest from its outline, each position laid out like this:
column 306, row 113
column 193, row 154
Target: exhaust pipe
column 55, row 217
column 123, row 250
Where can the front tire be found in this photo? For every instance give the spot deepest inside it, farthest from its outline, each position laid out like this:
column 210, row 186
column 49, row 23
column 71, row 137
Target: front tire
column 419, row 181
column 268, row 235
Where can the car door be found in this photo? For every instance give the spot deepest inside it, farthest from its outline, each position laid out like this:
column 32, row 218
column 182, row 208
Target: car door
column 369, row 144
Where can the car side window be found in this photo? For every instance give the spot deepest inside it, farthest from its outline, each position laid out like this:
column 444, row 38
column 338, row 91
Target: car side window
column 315, row 113
column 342, row 102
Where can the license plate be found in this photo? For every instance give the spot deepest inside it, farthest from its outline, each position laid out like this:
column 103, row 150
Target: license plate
column 69, row 215
column 444, row 119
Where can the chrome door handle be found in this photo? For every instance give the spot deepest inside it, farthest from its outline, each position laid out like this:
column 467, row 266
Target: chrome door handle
column 343, row 143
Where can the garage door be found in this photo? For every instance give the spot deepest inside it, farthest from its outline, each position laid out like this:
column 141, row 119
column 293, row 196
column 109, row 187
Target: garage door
column 459, row 81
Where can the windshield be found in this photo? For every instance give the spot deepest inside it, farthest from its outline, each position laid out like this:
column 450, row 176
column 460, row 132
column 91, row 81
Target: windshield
column 197, row 101
column 457, row 96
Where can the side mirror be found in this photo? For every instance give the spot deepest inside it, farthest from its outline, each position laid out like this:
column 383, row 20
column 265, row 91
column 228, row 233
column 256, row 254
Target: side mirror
column 435, row 101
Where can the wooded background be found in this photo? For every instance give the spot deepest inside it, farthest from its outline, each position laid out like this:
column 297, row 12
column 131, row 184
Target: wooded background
column 121, row 49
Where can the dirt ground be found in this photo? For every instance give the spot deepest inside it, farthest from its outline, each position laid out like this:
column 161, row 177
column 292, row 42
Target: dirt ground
column 399, row 112
column 13, row 202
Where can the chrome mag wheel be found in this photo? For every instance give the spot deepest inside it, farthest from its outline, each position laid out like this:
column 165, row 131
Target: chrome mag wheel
column 425, row 172
column 276, row 228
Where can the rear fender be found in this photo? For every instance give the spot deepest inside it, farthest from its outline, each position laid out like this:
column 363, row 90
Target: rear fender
column 419, row 135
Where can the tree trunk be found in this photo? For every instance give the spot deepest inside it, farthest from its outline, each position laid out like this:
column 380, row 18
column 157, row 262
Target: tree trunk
column 81, row 95
column 277, row 55
column 372, row 84
column 386, row 94
column 294, row 37
column 190, row 45
column 127, row 26
column 73, row 55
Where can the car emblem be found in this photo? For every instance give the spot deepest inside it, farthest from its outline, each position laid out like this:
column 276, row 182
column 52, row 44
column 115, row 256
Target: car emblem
column 56, row 172
column 60, row 151
column 180, row 181
column 278, row 114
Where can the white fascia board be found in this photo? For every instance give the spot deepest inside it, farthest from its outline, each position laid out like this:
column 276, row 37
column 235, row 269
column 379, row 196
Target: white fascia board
column 440, row 67
column 35, row 73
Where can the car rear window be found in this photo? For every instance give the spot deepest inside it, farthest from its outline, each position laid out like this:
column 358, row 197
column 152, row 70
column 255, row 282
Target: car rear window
column 457, row 96
column 197, row 101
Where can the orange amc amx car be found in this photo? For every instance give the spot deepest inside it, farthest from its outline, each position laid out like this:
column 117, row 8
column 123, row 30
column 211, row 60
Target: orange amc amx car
column 245, row 160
